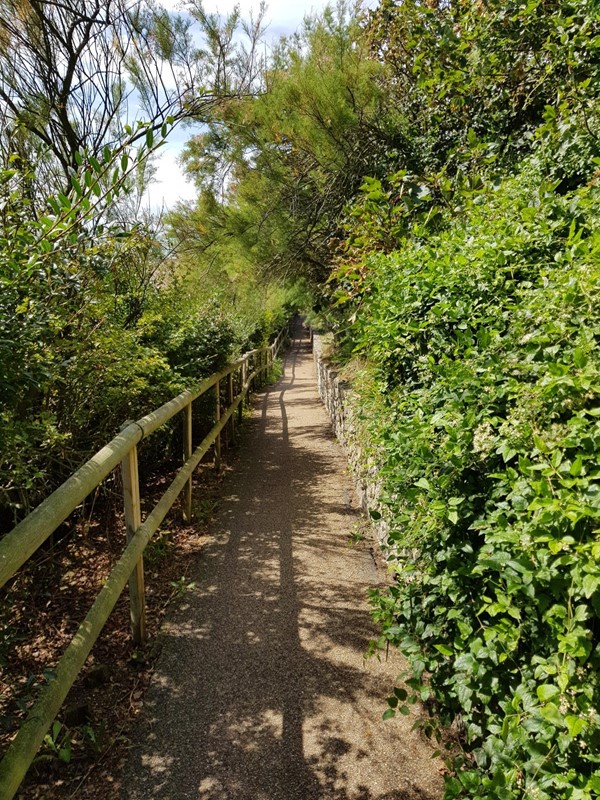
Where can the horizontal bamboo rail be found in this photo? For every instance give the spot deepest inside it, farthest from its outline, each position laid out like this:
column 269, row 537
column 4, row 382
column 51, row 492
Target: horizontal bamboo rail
column 18, row 545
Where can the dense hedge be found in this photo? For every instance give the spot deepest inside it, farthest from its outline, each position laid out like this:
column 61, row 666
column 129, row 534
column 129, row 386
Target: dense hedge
column 484, row 406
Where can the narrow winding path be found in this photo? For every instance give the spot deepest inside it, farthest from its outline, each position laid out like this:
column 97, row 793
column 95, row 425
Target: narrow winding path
column 261, row 691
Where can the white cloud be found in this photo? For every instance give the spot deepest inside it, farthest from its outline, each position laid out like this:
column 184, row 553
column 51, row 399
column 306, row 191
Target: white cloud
column 282, row 15
column 170, row 184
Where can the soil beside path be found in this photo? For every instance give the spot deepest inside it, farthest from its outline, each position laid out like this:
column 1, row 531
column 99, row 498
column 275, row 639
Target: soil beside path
column 261, row 691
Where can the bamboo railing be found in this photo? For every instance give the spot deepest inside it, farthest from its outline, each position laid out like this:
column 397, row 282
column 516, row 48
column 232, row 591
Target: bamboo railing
column 18, row 545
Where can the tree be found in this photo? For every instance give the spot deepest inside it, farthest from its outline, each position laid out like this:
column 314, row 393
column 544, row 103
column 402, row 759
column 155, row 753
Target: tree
column 74, row 72
column 284, row 163
column 469, row 74
column 88, row 93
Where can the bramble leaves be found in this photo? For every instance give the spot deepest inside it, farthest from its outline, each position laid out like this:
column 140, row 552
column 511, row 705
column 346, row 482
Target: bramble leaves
column 488, row 446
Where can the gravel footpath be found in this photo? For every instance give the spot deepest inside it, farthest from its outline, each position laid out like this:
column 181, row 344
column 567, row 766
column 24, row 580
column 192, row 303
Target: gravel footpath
column 261, row 691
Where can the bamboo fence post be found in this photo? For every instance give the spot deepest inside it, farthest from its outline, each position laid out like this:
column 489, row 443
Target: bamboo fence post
column 187, row 452
column 133, row 520
column 242, row 380
column 230, row 403
column 217, row 418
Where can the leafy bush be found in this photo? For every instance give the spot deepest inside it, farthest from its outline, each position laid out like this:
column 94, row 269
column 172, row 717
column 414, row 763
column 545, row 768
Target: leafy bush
column 486, row 375
column 94, row 330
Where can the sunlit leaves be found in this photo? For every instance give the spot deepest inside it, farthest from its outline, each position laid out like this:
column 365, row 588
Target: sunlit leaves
column 482, row 338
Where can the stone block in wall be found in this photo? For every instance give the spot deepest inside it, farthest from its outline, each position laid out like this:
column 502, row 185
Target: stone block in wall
column 337, row 397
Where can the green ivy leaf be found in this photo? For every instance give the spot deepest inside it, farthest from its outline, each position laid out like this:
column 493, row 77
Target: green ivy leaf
column 575, row 725
column 577, row 467
column 551, row 713
column 589, row 584
column 547, row 691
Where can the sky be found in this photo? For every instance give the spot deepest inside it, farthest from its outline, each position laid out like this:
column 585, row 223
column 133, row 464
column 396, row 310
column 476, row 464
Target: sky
column 282, row 17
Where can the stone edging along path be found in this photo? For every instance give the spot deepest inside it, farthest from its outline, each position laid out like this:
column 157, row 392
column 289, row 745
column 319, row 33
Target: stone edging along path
column 262, row 691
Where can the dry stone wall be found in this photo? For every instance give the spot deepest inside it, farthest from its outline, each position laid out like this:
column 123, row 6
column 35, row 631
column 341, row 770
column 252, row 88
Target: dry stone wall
column 339, row 400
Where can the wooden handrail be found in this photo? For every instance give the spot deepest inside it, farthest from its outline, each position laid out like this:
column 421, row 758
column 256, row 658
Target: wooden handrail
column 18, row 545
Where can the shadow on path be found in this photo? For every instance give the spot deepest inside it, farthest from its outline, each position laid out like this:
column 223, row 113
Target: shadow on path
column 261, row 690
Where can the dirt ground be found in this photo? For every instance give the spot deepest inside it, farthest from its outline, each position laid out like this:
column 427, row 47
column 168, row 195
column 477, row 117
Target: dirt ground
column 40, row 611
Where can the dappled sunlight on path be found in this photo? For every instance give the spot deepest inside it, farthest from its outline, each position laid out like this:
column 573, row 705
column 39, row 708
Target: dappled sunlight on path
column 261, row 691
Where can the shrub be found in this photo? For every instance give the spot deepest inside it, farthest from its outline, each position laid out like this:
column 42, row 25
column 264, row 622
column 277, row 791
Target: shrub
column 483, row 347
